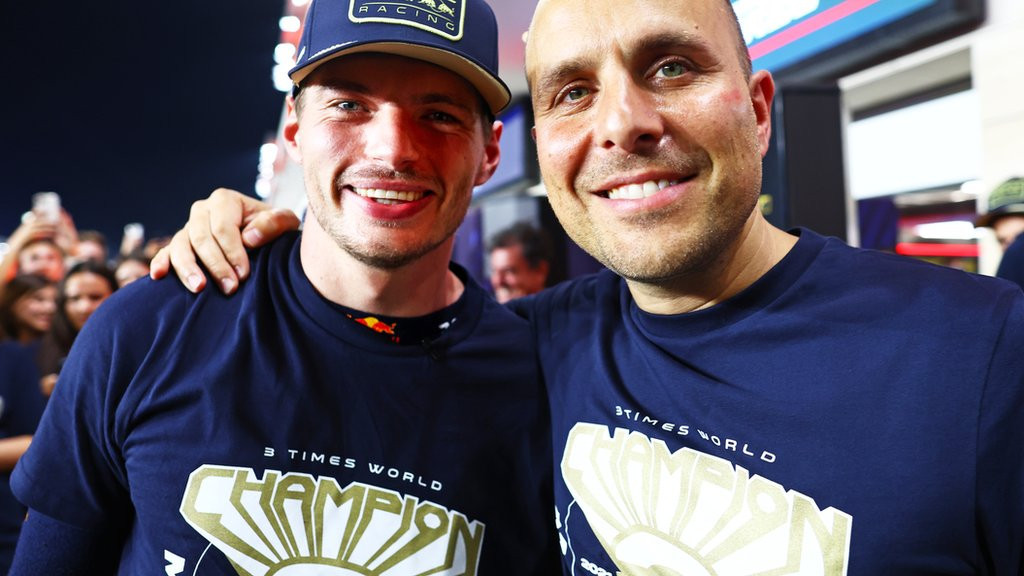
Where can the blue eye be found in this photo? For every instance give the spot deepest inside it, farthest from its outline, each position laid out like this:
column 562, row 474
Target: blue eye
column 672, row 69
column 348, row 105
column 576, row 94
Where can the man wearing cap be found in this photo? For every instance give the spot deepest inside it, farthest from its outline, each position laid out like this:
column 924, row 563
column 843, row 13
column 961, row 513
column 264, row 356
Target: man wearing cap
column 730, row 398
column 1005, row 217
column 352, row 409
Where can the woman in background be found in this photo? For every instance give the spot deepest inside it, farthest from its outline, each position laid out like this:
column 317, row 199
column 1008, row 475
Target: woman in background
column 86, row 285
column 27, row 308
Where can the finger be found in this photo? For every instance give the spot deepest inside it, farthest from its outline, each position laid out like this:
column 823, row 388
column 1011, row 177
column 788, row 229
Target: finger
column 207, row 235
column 228, row 211
column 182, row 259
column 267, row 225
column 160, row 265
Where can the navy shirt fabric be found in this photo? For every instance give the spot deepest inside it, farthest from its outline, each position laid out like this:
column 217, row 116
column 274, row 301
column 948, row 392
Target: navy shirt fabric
column 268, row 431
column 21, row 407
column 850, row 413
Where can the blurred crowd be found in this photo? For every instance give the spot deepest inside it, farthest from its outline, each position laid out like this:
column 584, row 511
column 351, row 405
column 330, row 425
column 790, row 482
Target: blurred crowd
column 52, row 278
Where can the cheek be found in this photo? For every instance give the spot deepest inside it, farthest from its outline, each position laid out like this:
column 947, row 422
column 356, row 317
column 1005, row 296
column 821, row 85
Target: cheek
column 560, row 147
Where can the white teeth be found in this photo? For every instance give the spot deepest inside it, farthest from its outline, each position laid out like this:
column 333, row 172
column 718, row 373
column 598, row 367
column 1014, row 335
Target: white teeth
column 636, row 191
column 388, row 197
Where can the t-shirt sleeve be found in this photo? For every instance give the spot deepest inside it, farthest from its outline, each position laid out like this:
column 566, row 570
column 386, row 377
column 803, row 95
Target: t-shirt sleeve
column 74, row 471
column 54, row 548
column 1000, row 488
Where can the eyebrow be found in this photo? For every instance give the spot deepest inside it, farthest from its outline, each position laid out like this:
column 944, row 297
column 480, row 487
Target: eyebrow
column 557, row 74
column 443, row 98
column 657, row 42
column 426, row 98
column 661, row 41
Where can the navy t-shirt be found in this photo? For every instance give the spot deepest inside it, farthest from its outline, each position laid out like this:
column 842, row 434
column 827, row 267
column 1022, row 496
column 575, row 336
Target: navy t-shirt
column 21, row 406
column 851, row 412
column 268, row 432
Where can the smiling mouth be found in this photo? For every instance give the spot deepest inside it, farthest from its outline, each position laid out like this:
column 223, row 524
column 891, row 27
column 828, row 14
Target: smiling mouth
column 638, row 191
column 389, row 197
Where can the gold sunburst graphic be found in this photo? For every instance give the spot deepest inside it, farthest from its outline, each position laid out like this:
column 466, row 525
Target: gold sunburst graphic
column 662, row 513
column 294, row 524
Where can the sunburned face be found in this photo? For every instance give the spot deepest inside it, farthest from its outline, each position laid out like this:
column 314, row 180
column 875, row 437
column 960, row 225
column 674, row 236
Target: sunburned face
column 649, row 131
column 391, row 149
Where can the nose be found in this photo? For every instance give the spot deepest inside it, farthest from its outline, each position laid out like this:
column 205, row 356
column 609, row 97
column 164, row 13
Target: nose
column 628, row 117
column 390, row 138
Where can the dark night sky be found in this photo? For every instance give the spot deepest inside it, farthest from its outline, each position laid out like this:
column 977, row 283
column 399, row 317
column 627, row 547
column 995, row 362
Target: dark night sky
column 130, row 110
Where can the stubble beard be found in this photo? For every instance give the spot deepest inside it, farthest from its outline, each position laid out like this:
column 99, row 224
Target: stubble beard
column 659, row 248
column 378, row 255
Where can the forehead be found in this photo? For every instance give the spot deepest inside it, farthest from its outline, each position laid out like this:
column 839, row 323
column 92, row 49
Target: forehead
column 85, row 280
column 387, row 74
column 39, row 248
column 589, row 31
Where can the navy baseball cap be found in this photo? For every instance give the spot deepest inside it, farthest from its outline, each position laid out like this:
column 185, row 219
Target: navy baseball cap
column 459, row 35
column 1006, row 199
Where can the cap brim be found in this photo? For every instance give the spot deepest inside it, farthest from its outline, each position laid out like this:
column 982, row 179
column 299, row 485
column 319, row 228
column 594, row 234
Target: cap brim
column 492, row 89
column 986, row 220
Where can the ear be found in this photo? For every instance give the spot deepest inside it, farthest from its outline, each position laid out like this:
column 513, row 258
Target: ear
column 492, row 155
column 290, row 131
column 762, row 91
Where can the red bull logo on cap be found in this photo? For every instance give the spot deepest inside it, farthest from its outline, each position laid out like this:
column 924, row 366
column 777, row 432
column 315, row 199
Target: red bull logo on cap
column 442, row 17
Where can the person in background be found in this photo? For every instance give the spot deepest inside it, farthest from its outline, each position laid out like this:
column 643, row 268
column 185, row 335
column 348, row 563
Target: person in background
column 39, row 246
column 1005, row 216
column 41, row 256
column 520, row 257
column 131, row 267
column 27, row 308
column 91, row 245
column 731, row 398
column 87, row 285
column 355, row 409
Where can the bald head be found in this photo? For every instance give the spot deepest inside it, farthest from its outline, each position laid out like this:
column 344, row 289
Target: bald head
column 537, row 39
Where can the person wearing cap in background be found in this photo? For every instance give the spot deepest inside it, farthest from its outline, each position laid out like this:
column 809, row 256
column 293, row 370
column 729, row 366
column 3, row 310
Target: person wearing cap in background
column 354, row 408
column 1005, row 217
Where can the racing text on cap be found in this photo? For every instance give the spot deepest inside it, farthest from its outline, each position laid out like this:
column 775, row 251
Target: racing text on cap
column 442, row 17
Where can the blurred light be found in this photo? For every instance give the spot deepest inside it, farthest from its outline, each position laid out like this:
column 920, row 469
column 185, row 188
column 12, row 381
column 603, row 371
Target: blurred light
column 300, row 3
column 284, row 53
column 281, row 80
column 973, row 187
column 952, row 230
column 263, row 188
column 290, row 23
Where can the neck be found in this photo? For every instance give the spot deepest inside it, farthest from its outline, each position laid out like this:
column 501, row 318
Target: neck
column 416, row 289
column 758, row 248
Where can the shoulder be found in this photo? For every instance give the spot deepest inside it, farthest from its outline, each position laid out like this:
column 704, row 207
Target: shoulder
column 907, row 293
column 582, row 294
